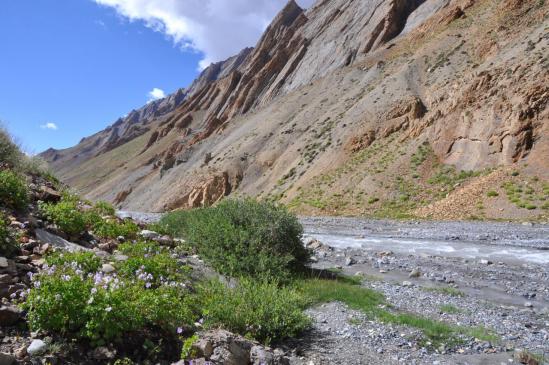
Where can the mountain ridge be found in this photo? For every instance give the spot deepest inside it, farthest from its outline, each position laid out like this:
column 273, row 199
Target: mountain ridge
column 415, row 72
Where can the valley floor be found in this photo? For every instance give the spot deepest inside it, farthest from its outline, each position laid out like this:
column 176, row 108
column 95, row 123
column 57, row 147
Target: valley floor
column 489, row 276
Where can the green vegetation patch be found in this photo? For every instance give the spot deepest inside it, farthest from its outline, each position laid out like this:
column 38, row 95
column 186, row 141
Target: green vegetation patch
column 13, row 190
column 259, row 309
column 8, row 246
column 447, row 291
column 73, row 298
column 373, row 303
column 243, row 237
column 71, row 218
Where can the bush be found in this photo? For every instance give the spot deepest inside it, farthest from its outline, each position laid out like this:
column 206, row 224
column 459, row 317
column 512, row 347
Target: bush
column 8, row 247
column 492, row 194
column 261, row 310
column 103, row 208
column 13, row 190
column 9, row 151
column 65, row 215
column 152, row 263
column 89, row 262
column 243, row 237
column 73, row 298
column 110, row 228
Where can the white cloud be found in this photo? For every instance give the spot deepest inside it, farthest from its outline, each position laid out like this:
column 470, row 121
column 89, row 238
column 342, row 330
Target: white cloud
column 49, row 125
column 216, row 28
column 156, row 94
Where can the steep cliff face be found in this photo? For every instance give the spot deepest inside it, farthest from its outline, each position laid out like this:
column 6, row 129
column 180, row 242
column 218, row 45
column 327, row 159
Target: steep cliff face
column 334, row 104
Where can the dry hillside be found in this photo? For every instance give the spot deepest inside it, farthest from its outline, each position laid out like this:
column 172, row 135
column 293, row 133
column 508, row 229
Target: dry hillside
column 393, row 108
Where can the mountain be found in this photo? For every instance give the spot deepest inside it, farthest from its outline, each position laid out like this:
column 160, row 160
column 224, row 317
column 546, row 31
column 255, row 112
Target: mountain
column 388, row 108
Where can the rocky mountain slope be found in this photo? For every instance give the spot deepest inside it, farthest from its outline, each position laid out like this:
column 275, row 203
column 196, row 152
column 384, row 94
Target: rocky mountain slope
column 378, row 107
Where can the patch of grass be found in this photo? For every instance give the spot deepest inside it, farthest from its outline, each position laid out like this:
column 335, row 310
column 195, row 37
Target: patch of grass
column 243, row 237
column 448, row 290
column 373, row 303
column 421, row 155
column 450, row 309
column 492, row 194
column 354, row 321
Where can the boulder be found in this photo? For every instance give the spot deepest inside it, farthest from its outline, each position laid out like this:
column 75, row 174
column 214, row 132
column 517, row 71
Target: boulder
column 9, row 315
column 7, row 359
column 223, row 347
column 149, row 235
column 58, row 242
column 415, row 273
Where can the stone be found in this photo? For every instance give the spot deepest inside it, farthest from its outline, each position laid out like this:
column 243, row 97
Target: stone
column 407, row 283
column 528, row 304
column 349, row 261
column 485, row 262
column 103, row 353
column 21, row 352
column 149, row 235
column 120, row 257
column 7, row 359
column 223, row 347
column 49, row 195
column 415, row 273
column 9, row 315
column 37, row 347
column 524, row 357
column 58, row 242
column 3, row 263
column 204, row 347
column 107, row 268
column 165, row 240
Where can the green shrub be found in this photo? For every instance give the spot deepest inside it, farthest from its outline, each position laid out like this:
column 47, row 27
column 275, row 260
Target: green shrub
column 492, row 194
column 261, row 310
column 65, row 215
column 9, row 151
column 188, row 351
column 111, row 228
column 8, row 247
column 88, row 261
column 243, row 237
column 104, row 208
column 71, row 298
column 13, row 190
column 151, row 262
column 373, row 200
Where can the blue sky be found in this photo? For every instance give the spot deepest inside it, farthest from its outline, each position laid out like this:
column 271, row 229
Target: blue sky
column 69, row 68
